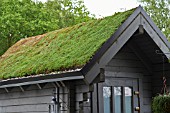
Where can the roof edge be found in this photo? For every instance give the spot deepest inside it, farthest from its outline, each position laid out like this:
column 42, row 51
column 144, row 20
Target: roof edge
column 110, row 41
column 153, row 25
column 41, row 79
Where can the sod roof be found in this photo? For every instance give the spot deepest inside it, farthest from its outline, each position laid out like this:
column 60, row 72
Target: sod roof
column 60, row 50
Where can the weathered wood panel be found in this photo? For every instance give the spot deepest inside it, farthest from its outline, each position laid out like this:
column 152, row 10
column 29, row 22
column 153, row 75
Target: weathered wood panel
column 127, row 64
column 32, row 100
column 83, row 97
column 157, row 81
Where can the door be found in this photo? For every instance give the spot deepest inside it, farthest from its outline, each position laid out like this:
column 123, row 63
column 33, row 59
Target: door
column 120, row 95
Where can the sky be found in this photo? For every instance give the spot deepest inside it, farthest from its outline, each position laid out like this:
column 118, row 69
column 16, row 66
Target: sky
column 102, row 8
column 109, row 7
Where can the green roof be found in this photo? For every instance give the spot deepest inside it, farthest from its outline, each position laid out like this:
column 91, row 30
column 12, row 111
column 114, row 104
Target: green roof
column 64, row 49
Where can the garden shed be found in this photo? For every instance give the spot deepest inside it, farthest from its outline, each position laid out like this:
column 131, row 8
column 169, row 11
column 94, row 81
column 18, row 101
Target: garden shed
column 108, row 65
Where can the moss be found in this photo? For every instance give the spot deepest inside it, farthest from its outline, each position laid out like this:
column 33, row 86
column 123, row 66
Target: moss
column 64, row 49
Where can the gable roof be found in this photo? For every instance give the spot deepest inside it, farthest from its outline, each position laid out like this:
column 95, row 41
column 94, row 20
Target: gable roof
column 136, row 24
column 77, row 52
column 61, row 50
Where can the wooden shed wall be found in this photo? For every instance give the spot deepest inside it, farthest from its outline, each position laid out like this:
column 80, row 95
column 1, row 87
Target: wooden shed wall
column 32, row 100
column 127, row 61
column 157, row 80
column 83, row 97
column 127, row 64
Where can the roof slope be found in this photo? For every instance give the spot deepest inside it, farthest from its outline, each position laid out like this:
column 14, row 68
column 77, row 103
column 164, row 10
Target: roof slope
column 60, row 50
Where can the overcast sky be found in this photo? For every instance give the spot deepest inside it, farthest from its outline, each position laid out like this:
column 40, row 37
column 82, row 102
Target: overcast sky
column 108, row 7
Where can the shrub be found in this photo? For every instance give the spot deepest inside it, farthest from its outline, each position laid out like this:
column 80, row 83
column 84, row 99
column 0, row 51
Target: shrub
column 161, row 104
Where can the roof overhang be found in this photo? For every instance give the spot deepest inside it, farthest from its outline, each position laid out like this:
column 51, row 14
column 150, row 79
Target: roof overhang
column 119, row 39
column 109, row 49
column 41, row 79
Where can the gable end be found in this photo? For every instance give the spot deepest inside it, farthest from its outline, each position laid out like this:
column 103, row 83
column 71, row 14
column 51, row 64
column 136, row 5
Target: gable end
column 120, row 37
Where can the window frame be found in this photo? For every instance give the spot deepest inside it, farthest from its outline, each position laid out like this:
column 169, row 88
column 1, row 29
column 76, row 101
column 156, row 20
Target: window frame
column 124, row 82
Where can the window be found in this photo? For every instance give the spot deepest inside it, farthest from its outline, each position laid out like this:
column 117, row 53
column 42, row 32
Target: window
column 128, row 100
column 107, row 99
column 118, row 99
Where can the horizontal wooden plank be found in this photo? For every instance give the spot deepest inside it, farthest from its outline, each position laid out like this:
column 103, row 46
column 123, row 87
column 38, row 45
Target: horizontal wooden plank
column 160, row 73
column 33, row 93
column 25, row 101
column 147, row 94
column 25, row 108
column 125, row 69
column 159, row 82
column 143, row 42
column 147, row 101
column 125, row 63
column 147, row 86
column 126, row 56
column 159, row 67
column 156, row 90
column 147, row 109
column 82, row 88
column 114, row 82
column 122, row 75
column 147, row 79
column 125, row 49
column 30, row 88
column 79, row 82
column 28, row 112
column 27, row 94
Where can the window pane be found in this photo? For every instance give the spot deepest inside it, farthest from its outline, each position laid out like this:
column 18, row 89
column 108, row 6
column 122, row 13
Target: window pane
column 118, row 99
column 128, row 100
column 107, row 99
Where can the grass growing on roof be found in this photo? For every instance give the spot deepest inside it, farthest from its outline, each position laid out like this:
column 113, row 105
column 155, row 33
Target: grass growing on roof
column 64, row 49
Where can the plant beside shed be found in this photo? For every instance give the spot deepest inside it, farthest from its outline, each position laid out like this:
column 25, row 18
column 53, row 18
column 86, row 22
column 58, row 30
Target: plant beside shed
column 161, row 104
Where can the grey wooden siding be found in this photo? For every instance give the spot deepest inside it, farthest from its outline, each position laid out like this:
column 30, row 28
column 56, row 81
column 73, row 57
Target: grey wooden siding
column 157, row 78
column 127, row 61
column 75, row 96
column 32, row 100
column 83, row 97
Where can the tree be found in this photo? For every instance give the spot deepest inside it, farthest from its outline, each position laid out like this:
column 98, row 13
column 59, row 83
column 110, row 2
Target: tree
column 159, row 11
column 68, row 12
column 25, row 18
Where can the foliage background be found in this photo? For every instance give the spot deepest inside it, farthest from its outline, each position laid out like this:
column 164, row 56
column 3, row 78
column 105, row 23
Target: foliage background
column 159, row 11
column 25, row 18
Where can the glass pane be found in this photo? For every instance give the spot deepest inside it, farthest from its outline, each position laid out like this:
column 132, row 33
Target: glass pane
column 107, row 99
column 118, row 99
column 128, row 100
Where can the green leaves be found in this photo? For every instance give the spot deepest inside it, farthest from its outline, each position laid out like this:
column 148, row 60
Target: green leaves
column 25, row 18
column 161, row 104
column 159, row 11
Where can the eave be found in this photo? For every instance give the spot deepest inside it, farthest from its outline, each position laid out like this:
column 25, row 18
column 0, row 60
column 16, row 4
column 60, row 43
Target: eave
column 41, row 79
